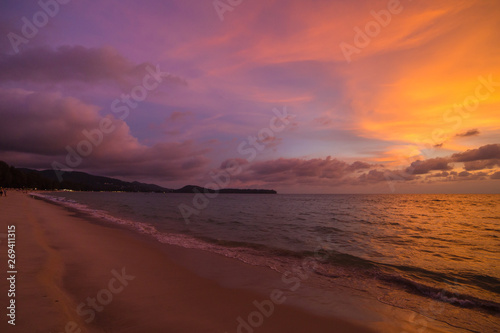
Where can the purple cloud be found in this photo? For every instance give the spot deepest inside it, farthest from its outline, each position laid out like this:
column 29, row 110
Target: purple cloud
column 72, row 63
column 423, row 167
column 481, row 164
column 487, row 152
column 46, row 124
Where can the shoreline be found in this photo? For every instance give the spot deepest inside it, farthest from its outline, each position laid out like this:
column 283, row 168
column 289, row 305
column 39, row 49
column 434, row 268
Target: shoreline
column 77, row 275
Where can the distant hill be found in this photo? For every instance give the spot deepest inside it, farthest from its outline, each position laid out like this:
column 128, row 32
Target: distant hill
column 12, row 177
column 88, row 182
column 72, row 180
column 81, row 181
column 199, row 189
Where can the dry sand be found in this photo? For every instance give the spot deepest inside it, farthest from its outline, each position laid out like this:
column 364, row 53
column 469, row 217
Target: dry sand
column 65, row 260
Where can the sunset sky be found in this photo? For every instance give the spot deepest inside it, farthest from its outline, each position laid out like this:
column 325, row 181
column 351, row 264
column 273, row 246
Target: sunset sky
column 320, row 96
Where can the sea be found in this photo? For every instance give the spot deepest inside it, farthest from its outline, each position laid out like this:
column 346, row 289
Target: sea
column 429, row 260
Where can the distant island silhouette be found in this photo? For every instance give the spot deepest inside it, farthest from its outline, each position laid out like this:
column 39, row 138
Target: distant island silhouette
column 199, row 189
column 11, row 177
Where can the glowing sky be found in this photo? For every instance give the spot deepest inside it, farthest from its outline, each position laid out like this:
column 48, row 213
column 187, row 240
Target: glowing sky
column 319, row 96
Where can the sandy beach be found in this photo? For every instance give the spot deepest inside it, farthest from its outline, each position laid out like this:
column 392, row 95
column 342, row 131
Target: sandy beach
column 78, row 275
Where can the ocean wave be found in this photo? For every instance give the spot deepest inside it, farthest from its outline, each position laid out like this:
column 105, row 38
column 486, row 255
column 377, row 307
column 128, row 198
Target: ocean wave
column 443, row 295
